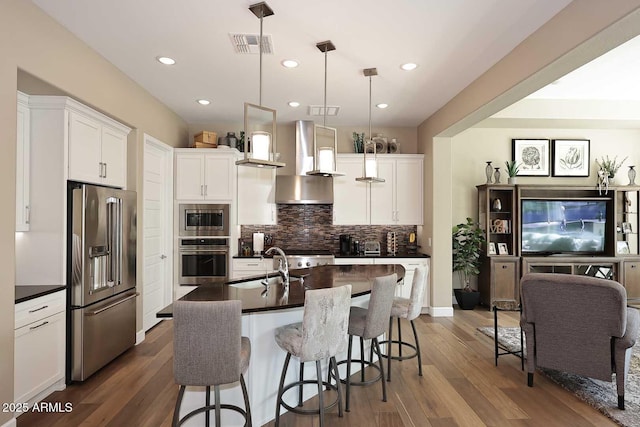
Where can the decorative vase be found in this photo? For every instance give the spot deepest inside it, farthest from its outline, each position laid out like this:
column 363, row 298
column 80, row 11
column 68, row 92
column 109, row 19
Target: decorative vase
column 497, row 205
column 512, row 180
column 632, row 175
column 488, row 170
column 496, row 176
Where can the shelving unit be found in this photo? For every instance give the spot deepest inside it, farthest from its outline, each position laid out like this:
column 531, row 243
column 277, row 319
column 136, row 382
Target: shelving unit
column 500, row 274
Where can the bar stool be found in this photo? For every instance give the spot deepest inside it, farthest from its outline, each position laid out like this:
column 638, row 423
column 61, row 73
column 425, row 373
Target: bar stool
column 407, row 308
column 208, row 350
column 369, row 323
column 321, row 335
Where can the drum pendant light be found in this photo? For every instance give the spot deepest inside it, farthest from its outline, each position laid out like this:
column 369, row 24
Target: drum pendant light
column 324, row 154
column 370, row 161
column 259, row 121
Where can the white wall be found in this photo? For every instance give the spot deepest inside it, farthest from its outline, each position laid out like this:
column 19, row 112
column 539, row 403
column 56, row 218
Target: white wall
column 473, row 147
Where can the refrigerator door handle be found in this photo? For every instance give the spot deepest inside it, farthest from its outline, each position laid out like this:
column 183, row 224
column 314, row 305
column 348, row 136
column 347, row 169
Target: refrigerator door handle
column 114, row 239
column 101, row 309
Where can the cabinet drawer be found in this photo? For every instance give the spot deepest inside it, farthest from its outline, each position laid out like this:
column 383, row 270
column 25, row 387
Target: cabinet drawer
column 256, row 264
column 39, row 356
column 37, row 309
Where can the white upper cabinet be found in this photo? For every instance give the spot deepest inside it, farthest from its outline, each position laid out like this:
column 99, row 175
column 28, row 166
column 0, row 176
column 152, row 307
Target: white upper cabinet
column 203, row 175
column 350, row 197
column 97, row 149
column 23, row 151
column 397, row 201
column 256, row 196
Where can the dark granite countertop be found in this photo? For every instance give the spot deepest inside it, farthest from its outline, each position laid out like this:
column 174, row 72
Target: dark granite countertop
column 360, row 277
column 383, row 255
column 29, row 292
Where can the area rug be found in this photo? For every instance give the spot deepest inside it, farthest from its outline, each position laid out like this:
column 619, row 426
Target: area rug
column 601, row 395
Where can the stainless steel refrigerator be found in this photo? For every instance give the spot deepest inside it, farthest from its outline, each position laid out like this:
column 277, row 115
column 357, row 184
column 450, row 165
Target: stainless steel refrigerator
column 101, row 277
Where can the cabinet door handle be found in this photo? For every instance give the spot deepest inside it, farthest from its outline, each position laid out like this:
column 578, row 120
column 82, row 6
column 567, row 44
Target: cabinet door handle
column 105, row 170
column 205, row 189
column 201, row 190
column 505, row 266
column 100, row 169
column 39, row 326
column 633, row 265
column 38, row 309
column 27, row 214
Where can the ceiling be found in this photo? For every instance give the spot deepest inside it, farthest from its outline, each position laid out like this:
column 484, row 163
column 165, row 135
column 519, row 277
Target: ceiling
column 612, row 76
column 453, row 42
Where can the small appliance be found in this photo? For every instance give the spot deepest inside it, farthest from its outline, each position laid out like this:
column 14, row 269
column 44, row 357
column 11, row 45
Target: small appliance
column 204, row 219
column 372, row 248
column 345, row 244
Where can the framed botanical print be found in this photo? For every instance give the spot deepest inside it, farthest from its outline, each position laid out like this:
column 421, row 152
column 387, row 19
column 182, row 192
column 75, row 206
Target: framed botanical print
column 532, row 155
column 571, row 157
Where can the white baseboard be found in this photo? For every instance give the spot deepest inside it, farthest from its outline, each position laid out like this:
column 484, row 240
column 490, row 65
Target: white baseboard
column 10, row 423
column 441, row 311
column 140, row 336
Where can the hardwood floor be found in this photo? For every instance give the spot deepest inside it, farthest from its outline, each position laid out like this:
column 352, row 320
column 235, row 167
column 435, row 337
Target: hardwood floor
column 460, row 386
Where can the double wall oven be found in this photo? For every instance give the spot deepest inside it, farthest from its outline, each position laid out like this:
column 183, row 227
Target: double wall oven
column 203, row 244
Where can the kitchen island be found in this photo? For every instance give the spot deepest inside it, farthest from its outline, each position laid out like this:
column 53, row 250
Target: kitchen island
column 263, row 312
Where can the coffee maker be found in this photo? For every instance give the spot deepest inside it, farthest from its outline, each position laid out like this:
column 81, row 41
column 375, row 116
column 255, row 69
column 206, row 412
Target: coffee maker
column 345, row 244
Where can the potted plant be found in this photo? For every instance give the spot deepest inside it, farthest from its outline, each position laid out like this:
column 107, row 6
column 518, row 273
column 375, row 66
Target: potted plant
column 610, row 166
column 512, row 169
column 467, row 247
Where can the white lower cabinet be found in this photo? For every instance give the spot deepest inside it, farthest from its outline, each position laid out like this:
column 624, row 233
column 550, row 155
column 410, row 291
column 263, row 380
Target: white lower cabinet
column 404, row 288
column 247, row 267
column 39, row 352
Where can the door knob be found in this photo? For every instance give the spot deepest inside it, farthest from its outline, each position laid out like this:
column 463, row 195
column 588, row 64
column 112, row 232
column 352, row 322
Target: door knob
column 163, row 256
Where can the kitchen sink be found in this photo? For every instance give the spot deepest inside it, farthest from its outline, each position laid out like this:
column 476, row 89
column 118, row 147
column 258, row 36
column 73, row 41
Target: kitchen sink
column 259, row 283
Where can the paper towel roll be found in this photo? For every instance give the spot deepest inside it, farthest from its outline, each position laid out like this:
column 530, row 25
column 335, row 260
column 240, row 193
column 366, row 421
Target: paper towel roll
column 258, row 243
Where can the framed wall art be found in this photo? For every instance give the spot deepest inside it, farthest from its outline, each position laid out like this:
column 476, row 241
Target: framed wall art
column 503, row 249
column 570, row 157
column 532, row 155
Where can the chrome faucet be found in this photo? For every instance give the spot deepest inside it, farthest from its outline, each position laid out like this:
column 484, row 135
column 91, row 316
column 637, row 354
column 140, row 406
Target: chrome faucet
column 283, row 267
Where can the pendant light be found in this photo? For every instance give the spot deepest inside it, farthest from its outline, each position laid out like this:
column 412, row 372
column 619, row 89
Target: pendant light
column 370, row 163
column 324, row 155
column 259, row 150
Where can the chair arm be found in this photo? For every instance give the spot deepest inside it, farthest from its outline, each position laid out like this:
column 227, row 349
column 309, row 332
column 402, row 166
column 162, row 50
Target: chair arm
column 631, row 332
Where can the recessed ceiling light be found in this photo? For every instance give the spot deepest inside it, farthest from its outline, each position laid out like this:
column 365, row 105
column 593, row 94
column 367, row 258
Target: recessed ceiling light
column 289, row 63
column 294, row 104
column 409, row 66
column 166, row 60
column 204, row 102
column 383, row 105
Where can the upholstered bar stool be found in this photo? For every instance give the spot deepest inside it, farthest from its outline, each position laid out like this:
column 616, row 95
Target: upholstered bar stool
column 208, row 350
column 321, row 335
column 409, row 309
column 368, row 324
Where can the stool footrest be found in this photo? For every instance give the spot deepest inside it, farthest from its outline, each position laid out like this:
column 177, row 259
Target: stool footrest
column 297, row 410
column 369, row 364
column 402, row 343
column 211, row 408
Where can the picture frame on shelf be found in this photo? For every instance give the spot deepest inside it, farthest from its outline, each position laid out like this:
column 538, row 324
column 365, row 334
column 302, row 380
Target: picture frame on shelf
column 626, row 228
column 532, row 155
column 571, row 157
column 622, row 247
column 503, row 249
column 492, row 249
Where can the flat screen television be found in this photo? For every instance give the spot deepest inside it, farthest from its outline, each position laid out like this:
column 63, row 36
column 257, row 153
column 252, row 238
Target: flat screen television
column 570, row 226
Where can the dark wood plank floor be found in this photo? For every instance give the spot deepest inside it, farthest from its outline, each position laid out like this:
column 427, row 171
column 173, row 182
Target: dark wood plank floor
column 460, row 386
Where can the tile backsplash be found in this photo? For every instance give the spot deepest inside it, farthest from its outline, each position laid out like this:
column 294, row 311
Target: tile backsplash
column 310, row 227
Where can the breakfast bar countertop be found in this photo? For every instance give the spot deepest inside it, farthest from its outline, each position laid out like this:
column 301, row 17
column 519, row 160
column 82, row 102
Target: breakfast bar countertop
column 251, row 292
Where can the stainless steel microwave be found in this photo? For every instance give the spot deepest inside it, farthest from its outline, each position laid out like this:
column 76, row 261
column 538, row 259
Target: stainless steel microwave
column 204, row 219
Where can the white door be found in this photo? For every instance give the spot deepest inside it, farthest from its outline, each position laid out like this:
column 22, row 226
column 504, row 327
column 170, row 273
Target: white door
column 114, row 157
column 350, row 197
column 157, row 223
column 189, row 176
column 382, row 194
column 85, row 155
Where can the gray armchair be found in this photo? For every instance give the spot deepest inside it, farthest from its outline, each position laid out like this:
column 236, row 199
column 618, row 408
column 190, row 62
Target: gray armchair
column 578, row 324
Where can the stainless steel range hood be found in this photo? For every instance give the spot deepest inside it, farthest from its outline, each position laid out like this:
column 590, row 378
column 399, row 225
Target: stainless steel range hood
column 301, row 188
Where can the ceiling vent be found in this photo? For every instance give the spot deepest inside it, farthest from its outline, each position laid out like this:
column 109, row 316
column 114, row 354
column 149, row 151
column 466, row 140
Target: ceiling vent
column 248, row 43
column 318, row 110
